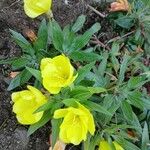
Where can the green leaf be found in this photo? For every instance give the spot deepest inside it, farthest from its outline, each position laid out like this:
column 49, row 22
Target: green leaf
column 97, row 107
column 136, row 82
column 68, row 39
column 126, row 144
column 36, row 73
column 112, row 104
column 22, row 42
column 113, row 128
column 123, row 68
column 79, row 23
column 94, row 141
column 19, row 80
column 136, row 99
column 145, row 137
column 103, row 64
column 83, row 93
column 82, row 72
column 125, row 22
column 55, row 130
column 81, row 41
column 45, row 107
column 114, row 53
column 56, row 35
column 96, row 90
column 84, row 56
column 146, row 102
column 135, row 122
column 7, row 61
column 80, row 92
column 127, row 110
column 115, row 63
column 42, row 38
column 20, row 63
column 115, row 49
column 45, row 118
column 71, row 102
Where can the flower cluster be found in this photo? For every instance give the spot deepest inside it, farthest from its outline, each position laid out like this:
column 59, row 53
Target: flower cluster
column 56, row 73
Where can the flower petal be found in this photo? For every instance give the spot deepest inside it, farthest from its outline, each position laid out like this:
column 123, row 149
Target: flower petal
column 39, row 97
column 36, row 7
column 60, row 113
column 74, row 133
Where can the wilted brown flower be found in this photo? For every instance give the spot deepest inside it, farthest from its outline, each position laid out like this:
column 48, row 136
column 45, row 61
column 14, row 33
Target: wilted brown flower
column 120, row 5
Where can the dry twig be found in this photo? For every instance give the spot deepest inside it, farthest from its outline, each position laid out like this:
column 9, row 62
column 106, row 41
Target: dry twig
column 96, row 11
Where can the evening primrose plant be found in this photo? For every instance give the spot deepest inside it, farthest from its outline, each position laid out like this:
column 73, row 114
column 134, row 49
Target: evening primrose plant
column 93, row 98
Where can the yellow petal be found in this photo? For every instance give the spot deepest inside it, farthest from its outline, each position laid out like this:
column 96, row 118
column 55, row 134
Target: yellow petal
column 34, row 8
column 15, row 96
column 32, row 13
column 70, row 80
column 63, row 135
column 60, row 113
column 91, row 124
column 29, row 118
column 22, row 106
column 63, row 65
column 51, row 76
column 52, row 90
column 45, row 62
column 39, row 97
column 74, row 134
column 104, row 145
column 117, row 146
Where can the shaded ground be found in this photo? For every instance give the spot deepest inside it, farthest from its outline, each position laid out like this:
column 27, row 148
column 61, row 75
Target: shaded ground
column 12, row 135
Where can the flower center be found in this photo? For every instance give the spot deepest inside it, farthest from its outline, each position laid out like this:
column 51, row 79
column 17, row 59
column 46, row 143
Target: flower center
column 76, row 119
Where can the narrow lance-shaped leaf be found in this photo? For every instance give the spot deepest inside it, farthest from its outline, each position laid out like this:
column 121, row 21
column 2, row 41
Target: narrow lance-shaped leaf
column 36, row 73
column 123, row 68
column 56, row 34
column 126, row 144
column 55, row 130
column 22, row 42
column 85, row 56
column 19, row 80
column 42, row 38
column 82, row 72
column 127, row 110
column 97, row 107
column 45, row 107
column 79, row 23
column 103, row 64
column 20, row 63
column 82, row 40
column 145, row 137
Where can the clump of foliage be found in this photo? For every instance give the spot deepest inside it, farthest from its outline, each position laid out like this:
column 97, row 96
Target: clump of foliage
column 110, row 85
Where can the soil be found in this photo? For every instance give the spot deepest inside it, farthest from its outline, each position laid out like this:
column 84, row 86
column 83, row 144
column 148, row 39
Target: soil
column 13, row 136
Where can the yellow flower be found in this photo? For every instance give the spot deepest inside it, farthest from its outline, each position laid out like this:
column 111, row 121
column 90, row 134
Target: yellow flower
column 34, row 8
column 76, row 124
column 25, row 104
column 57, row 73
column 104, row 145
